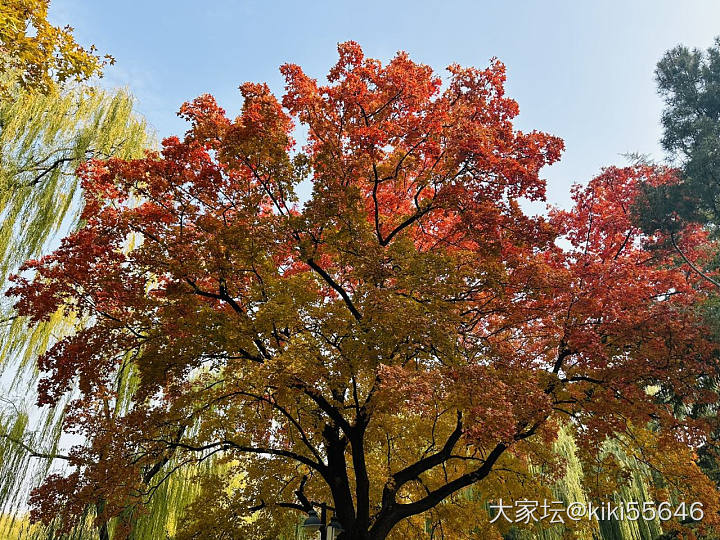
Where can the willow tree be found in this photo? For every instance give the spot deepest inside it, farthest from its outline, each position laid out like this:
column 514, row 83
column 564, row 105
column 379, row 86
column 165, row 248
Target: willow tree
column 43, row 138
column 47, row 128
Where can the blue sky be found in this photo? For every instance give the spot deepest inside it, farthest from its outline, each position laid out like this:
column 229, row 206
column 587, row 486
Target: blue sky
column 581, row 70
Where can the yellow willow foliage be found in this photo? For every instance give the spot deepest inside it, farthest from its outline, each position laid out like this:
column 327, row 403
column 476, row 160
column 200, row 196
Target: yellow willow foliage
column 636, row 488
column 17, row 527
column 43, row 138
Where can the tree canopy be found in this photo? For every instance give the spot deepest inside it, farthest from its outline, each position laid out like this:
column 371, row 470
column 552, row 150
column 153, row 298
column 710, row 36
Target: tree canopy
column 404, row 335
column 689, row 82
column 39, row 55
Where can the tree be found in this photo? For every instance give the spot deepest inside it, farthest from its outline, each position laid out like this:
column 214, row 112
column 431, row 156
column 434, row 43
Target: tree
column 39, row 55
column 42, row 140
column 404, row 335
column 689, row 82
column 48, row 125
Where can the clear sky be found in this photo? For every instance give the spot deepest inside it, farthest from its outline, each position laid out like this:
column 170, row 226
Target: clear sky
column 581, row 70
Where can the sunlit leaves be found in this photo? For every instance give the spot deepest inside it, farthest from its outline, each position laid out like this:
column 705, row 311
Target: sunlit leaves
column 406, row 334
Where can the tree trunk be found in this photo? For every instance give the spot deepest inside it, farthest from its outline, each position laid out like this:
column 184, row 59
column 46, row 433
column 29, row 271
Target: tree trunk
column 103, row 532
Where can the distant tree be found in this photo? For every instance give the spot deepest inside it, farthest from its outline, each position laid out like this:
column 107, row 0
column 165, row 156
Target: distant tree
column 37, row 54
column 407, row 333
column 689, row 82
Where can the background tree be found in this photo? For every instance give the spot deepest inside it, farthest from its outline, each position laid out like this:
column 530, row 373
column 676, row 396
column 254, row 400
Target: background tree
column 37, row 55
column 43, row 139
column 48, row 125
column 404, row 335
column 689, row 82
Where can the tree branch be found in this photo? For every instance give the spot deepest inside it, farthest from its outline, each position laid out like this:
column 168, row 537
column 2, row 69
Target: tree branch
column 330, row 281
column 691, row 264
column 398, row 512
column 414, row 470
column 228, row 444
column 35, row 453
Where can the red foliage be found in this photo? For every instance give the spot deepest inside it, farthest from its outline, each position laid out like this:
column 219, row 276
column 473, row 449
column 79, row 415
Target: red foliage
column 411, row 277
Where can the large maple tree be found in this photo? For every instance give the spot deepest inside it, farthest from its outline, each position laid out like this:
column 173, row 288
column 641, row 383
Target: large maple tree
column 405, row 334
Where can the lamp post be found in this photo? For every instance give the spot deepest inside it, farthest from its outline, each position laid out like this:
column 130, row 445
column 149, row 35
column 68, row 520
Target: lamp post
column 314, row 523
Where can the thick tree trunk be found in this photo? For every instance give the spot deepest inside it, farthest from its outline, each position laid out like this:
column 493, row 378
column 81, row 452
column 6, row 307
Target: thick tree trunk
column 392, row 513
column 358, row 535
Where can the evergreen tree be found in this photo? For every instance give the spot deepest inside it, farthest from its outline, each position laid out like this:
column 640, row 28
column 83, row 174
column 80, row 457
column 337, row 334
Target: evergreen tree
column 689, row 82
